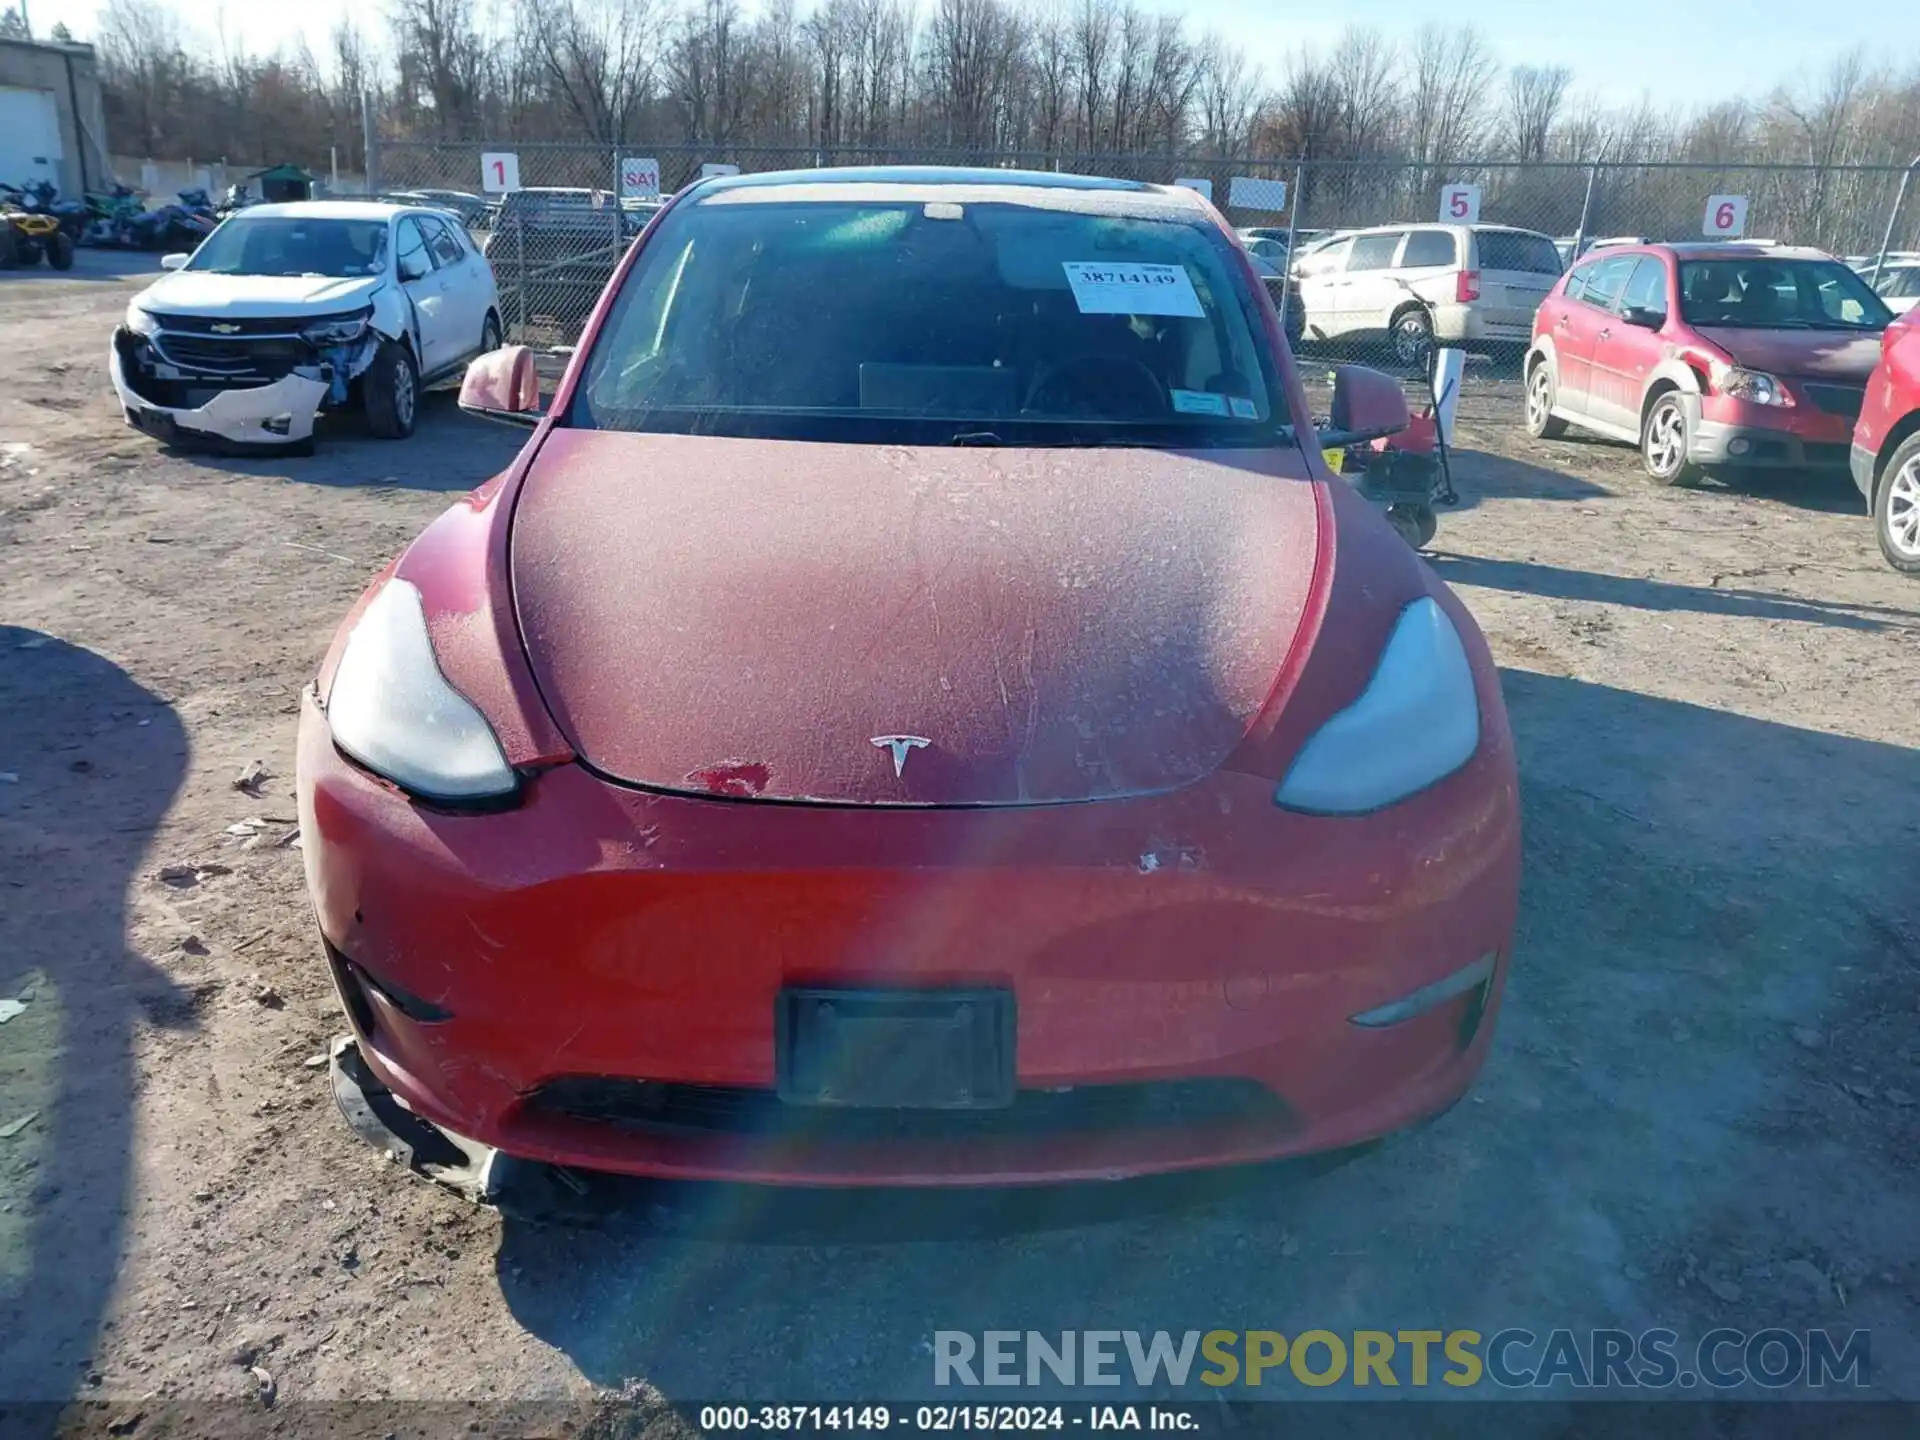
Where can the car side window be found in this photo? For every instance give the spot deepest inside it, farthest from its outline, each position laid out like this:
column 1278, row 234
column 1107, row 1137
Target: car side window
column 412, row 257
column 1606, row 280
column 1647, row 290
column 1326, row 261
column 1374, row 252
column 1429, row 248
column 441, row 241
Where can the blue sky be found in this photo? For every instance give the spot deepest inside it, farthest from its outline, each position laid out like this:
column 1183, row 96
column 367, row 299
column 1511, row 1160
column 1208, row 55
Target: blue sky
column 1620, row 48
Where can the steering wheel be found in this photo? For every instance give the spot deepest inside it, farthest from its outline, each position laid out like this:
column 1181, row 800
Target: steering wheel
column 1127, row 380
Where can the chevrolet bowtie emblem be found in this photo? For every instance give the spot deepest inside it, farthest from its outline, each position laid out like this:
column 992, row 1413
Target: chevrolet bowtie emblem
column 224, row 329
column 901, row 746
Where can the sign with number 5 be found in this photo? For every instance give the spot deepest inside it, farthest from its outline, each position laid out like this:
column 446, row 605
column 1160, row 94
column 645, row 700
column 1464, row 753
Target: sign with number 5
column 499, row 172
column 1726, row 217
column 1460, row 205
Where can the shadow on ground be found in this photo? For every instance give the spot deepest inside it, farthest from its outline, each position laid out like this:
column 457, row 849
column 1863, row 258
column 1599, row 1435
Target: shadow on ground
column 449, row 451
column 89, row 762
column 89, row 264
column 1698, row 884
column 1554, row 582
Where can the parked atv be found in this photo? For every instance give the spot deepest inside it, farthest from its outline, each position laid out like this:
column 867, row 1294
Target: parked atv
column 42, row 197
column 26, row 237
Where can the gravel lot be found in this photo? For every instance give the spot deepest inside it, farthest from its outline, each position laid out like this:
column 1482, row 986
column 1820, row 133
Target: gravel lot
column 1703, row 1109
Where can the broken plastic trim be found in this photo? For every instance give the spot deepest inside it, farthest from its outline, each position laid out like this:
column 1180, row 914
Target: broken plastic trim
column 1427, row 997
column 375, row 1114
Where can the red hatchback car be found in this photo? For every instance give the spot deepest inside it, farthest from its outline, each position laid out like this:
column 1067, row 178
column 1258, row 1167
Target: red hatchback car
column 918, row 710
column 1735, row 356
column 1886, row 446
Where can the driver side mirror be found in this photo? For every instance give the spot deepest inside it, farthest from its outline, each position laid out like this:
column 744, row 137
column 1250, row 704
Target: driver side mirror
column 1366, row 406
column 1644, row 318
column 176, row 261
column 503, row 385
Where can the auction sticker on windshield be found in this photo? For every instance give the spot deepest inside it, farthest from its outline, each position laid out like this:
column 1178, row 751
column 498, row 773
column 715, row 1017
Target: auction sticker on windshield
column 1105, row 289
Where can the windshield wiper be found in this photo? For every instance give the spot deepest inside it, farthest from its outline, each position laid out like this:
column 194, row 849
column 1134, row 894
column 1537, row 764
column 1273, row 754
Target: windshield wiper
column 976, row 437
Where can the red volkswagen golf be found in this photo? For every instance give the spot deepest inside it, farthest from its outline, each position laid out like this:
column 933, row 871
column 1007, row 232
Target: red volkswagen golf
column 917, row 711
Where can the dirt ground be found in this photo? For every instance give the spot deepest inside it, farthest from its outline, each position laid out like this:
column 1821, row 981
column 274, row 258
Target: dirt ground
column 1703, row 1107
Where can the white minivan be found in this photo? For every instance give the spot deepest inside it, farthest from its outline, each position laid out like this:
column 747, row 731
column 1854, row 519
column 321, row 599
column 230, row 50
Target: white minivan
column 1475, row 286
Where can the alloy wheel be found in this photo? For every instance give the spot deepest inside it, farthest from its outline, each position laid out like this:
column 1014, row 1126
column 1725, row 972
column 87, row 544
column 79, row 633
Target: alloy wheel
column 1666, row 440
column 1539, row 396
column 1903, row 510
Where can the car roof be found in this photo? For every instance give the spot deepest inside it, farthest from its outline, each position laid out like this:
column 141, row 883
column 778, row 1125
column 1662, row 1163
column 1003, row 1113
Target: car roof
column 1091, row 193
column 1445, row 225
column 1723, row 250
column 332, row 210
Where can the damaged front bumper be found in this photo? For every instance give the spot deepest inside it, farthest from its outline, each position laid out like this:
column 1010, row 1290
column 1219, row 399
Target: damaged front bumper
column 171, row 403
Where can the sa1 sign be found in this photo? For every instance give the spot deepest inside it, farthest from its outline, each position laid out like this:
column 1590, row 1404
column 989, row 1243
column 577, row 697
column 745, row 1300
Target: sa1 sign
column 499, row 172
column 1460, row 205
column 1726, row 217
column 639, row 179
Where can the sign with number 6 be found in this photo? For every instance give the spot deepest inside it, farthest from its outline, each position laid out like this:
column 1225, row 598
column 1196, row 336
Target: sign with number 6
column 1460, row 205
column 499, row 172
column 1726, row 217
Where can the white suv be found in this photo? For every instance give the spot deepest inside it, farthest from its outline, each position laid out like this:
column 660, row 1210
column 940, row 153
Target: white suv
column 1467, row 285
column 289, row 309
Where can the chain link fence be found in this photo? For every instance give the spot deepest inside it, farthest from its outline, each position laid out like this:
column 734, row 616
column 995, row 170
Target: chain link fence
column 1430, row 274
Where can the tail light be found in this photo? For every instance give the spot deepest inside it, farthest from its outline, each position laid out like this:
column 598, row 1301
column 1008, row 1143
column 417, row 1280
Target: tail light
column 1466, row 286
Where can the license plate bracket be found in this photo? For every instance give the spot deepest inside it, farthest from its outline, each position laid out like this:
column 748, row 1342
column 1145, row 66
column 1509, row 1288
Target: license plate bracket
column 895, row 1049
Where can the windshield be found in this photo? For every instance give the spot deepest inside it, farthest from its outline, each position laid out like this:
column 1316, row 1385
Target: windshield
column 924, row 321
column 284, row 245
column 1766, row 293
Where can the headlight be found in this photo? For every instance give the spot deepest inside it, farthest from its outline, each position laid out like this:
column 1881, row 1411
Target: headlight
column 1418, row 721
column 139, row 321
column 338, row 329
column 1756, row 387
column 393, row 711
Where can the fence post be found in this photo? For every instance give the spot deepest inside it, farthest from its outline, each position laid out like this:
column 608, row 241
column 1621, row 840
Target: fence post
column 369, row 142
column 1293, row 230
column 1886, row 240
column 1586, row 203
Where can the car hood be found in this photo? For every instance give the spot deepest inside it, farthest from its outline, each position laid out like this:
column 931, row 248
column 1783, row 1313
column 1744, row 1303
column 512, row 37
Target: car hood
column 894, row 625
column 241, row 297
column 1824, row 354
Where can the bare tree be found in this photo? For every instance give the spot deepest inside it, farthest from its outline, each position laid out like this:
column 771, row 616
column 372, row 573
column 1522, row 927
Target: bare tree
column 1229, row 96
column 599, row 59
column 1093, row 42
column 441, row 57
column 1363, row 68
column 1052, row 65
column 1535, row 94
column 1306, row 109
column 1450, row 76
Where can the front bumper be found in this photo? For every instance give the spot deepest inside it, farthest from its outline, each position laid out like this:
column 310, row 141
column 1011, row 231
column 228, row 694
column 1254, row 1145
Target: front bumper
column 1862, row 461
column 1747, row 436
column 281, row 413
column 597, row 933
column 1755, row 448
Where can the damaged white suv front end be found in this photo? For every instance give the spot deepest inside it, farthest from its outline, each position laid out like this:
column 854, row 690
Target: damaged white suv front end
column 288, row 310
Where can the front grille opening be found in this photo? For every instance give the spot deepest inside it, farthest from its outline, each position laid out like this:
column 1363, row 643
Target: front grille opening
column 671, row 1108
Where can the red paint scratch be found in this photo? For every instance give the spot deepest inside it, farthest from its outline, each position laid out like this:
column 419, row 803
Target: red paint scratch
column 731, row 777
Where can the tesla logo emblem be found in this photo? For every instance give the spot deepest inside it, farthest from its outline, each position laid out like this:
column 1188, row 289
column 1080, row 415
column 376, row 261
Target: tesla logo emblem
column 224, row 329
column 901, row 746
